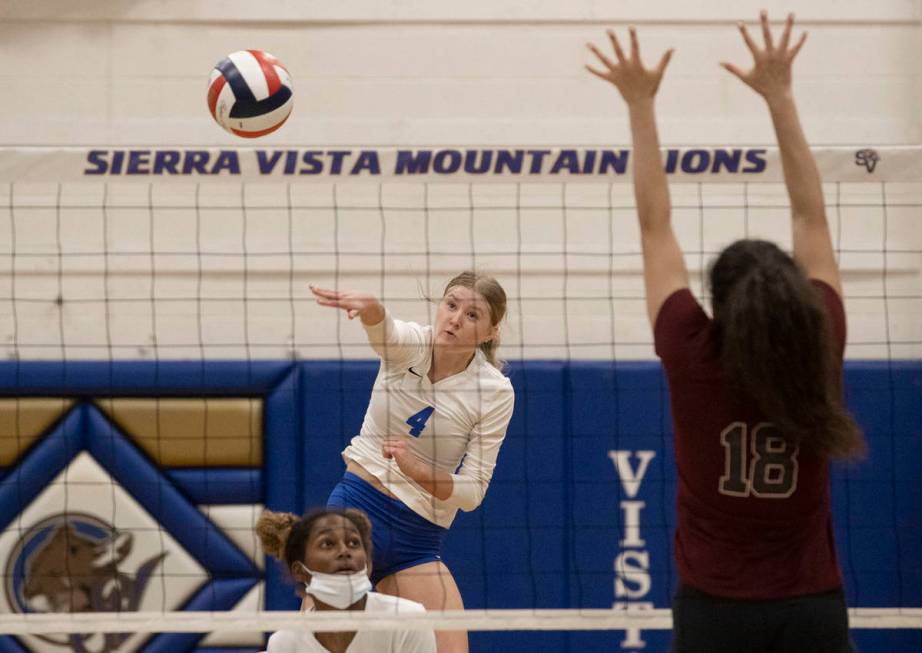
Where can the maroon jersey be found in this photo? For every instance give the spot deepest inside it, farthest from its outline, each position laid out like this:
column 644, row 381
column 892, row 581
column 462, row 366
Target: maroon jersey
column 754, row 519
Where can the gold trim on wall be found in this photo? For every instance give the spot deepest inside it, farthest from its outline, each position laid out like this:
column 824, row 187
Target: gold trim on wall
column 213, row 432
column 23, row 420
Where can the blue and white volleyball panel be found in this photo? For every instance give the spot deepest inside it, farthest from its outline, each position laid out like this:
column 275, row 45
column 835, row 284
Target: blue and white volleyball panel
column 250, row 93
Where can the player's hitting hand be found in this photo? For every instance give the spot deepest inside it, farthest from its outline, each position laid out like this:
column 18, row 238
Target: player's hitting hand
column 398, row 449
column 627, row 73
column 770, row 76
column 356, row 304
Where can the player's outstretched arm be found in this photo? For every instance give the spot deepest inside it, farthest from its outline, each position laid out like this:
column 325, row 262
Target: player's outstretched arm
column 664, row 265
column 356, row 304
column 397, row 343
column 770, row 77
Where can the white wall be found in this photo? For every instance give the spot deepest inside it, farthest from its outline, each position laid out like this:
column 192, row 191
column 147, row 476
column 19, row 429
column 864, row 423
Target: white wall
column 422, row 73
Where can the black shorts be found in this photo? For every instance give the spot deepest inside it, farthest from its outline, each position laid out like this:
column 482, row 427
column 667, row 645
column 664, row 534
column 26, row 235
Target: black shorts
column 816, row 623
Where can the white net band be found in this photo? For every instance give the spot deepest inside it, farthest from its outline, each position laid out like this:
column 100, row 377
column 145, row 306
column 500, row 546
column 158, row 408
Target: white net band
column 346, row 621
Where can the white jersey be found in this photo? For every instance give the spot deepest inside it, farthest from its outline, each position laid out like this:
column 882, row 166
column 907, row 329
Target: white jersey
column 365, row 641
column 455, row 425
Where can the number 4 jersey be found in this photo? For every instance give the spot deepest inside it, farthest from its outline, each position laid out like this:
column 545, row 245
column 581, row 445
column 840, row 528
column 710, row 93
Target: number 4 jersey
column 754, row 519
column 455, row 425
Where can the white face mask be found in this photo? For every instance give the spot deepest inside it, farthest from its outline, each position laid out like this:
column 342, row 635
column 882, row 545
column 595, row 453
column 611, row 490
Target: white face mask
column 338, row 590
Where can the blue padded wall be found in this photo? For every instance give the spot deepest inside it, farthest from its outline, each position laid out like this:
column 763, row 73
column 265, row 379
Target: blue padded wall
column 548, row 531
column 547, row 534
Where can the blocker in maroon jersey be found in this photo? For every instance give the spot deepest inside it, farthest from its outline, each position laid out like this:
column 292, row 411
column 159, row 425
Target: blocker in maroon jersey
column 754, row 518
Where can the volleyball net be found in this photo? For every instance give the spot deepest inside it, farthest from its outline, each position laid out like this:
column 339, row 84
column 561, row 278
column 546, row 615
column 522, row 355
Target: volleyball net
column 166, row 375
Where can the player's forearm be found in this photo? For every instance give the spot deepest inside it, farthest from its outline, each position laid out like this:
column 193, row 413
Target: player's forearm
column 651, row 190
column 437, row 483
column 390, row 338
column 373, row 315
column 801, row 176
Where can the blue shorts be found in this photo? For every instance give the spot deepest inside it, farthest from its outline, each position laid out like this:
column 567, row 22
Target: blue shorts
column 402, row 539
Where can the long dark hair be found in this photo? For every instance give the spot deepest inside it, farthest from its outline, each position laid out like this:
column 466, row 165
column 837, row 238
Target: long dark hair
column 776, row 347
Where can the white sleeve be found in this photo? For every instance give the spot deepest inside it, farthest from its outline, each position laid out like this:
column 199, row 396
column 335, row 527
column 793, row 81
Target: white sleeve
column 414, row 641
column 473, row 478
column 395, row 341
column 281, row 642
column 417, row 641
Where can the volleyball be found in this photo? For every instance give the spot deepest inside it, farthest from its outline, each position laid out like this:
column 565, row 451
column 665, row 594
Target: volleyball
column 249, row 93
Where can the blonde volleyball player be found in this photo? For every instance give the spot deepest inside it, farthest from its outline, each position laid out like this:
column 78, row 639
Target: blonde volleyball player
column 329, row 550
column 432, row 432
column 754, row 541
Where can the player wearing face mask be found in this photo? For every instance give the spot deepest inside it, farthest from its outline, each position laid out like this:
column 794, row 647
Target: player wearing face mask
column 329, row 551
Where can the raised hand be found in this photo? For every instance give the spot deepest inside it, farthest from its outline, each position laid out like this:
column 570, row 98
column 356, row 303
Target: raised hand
column 770, row 76
column 356, row 304
column 633, row 81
